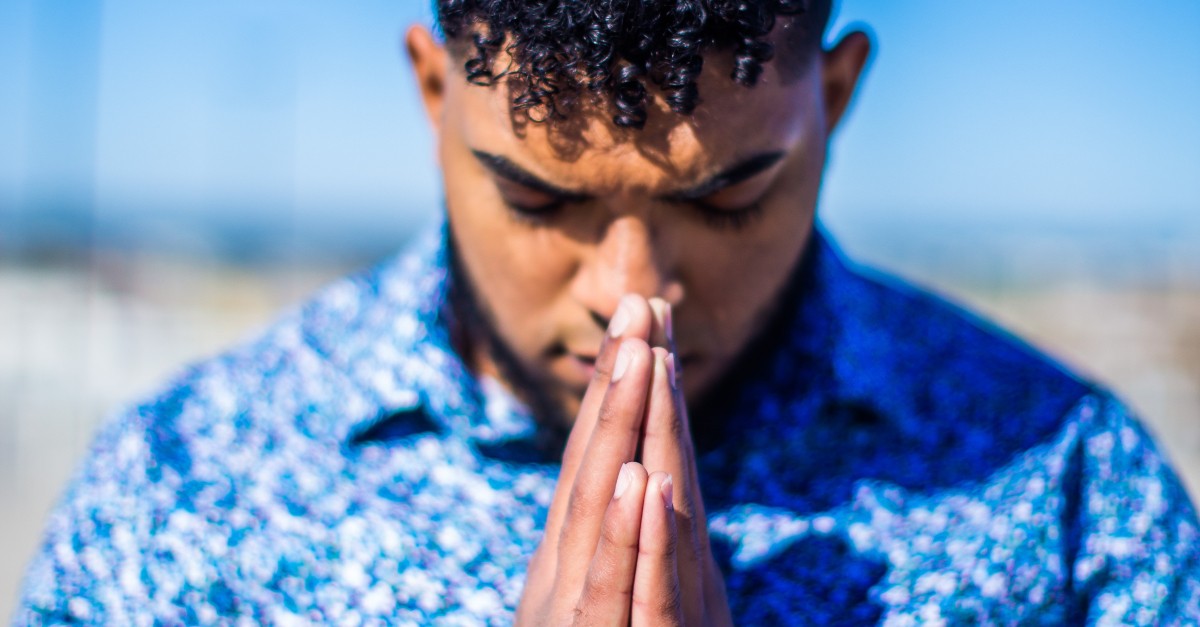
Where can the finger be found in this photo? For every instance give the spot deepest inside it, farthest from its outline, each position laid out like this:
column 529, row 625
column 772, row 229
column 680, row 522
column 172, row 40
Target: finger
column 656, row 586
column 608, row 589
column 667, row 447
column 667, row 444
column 660, row 330
column 632, row 319
column 613, row 442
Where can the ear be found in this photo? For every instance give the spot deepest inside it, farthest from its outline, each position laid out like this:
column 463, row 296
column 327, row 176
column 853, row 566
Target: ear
column 842, row 71
column 429, row 62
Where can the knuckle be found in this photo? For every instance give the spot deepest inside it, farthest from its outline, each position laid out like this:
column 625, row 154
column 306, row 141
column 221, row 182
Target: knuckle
column 607, row 417
column 665, row 606
column 666, row 550
column 686, row 520
column 580, row 506
column 612, row 419
column 671, row 604
column 606, row 359
column 604, row 368
column 671, row 546
column 666, row 423
column 687, row 539
column 675, row 427
column 600, row 590
column 579, row 614
column 685, row 514
column 613, row 538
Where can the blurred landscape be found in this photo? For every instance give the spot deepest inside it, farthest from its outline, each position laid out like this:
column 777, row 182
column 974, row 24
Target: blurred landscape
column 172, row 175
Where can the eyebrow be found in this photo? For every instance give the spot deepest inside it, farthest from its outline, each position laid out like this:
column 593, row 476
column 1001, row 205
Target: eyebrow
column 741, row 171
column 501, row 166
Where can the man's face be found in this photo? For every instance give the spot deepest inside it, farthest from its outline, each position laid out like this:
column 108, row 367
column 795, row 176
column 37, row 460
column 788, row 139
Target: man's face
column 554, row 223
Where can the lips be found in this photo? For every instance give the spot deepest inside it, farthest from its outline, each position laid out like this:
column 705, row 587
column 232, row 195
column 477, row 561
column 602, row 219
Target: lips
column 585, row 365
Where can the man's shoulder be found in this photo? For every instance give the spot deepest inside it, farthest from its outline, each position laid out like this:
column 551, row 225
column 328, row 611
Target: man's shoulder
column 310, row 376
column 921, row 340
column 916, row 390
column 249, row 447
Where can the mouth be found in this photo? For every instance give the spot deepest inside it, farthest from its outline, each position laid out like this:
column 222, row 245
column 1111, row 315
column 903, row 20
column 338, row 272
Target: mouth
column 585, row 363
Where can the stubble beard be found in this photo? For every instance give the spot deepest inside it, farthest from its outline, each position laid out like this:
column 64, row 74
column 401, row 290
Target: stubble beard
column 474, row 329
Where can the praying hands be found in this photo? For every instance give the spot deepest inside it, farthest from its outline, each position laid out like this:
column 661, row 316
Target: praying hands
column 626, row 540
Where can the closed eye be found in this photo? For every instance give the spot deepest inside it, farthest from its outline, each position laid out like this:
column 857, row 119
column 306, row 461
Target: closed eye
column 527, row 201
column 735, row 218
column 539, row 212
column 525, row 194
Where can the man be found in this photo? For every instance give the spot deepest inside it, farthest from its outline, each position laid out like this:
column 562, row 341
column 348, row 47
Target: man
column 495, row 426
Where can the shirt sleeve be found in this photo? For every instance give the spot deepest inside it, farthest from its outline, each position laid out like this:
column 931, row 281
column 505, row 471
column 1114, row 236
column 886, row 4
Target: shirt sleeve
column 1137, row 540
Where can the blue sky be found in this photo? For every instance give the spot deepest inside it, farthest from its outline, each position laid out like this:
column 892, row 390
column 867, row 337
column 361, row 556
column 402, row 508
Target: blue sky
column 1064, row 113
column 1074, row 109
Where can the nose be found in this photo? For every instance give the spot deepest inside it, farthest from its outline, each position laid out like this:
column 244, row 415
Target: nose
column 628, row 258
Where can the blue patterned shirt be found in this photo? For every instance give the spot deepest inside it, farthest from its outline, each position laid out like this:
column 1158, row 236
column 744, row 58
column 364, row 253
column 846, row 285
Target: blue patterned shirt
column 890, row 459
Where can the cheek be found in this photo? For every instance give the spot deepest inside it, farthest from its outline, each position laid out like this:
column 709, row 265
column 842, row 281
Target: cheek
column 733, row 282
column 734, row 278
column 520, row 273
column 528, row 270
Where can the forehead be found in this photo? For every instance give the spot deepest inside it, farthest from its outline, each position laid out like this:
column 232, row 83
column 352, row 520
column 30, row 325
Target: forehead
column 587, row 151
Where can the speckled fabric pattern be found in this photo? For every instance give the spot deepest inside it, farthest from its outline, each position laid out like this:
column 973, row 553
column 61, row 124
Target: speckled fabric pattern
column 889, row 460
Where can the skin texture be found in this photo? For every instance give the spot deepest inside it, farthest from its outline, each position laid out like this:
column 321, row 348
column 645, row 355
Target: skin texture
column 637, row 554
column 677, row 282
column 550, row 284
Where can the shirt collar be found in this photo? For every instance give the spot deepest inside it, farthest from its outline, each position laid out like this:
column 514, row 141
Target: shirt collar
column 387, row 330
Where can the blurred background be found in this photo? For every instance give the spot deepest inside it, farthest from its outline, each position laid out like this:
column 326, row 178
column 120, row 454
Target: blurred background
column 174, row 173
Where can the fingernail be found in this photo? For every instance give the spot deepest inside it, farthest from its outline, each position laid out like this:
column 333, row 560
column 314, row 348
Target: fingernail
column 670, row 361
column 620, row 320
column 656, row 306
column 667, row 488
column 668, row 325
column 624, row 478
column 623, row 359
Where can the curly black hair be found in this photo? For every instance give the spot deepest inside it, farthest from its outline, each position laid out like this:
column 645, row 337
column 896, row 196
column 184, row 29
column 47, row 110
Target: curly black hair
column 561, row 49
